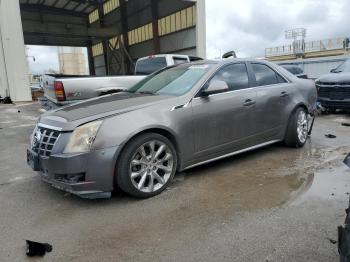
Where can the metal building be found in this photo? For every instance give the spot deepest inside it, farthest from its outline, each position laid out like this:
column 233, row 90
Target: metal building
column 72, row 61
column 116, row 33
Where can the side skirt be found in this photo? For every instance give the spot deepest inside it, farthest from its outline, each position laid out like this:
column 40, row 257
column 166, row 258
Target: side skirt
column 234, row 153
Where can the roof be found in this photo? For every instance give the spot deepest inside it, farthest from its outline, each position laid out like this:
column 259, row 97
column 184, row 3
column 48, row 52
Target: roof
column 69, row 7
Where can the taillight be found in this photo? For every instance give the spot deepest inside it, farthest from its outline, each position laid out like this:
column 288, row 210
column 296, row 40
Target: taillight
column 59, row 91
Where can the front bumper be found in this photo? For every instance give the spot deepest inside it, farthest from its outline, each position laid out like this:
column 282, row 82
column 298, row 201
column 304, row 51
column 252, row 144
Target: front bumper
column 336, row 104
column 88, row 175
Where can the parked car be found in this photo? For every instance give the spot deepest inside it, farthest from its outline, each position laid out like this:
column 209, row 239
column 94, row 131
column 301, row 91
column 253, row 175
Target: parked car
column 68, row 89
column 172, row 120
column 334, row 88
column 295, row 70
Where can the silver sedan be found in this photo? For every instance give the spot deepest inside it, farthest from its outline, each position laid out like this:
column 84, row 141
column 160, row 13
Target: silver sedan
column 174, row 119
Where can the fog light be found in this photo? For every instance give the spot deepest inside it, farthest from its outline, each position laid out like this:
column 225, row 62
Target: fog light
column 71, row 178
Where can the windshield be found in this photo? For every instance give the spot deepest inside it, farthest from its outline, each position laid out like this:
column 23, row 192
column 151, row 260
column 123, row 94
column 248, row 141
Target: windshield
column 149, row 65
column 172, row 81
column 344, row 67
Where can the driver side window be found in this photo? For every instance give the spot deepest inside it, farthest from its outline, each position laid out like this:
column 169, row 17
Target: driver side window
column 235, row 76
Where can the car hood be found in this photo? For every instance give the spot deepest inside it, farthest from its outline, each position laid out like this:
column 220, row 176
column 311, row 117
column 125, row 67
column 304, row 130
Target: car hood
column 71, row 116
column 335, row 78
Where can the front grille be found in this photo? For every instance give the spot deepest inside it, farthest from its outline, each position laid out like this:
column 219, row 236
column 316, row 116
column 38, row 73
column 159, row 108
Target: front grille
column 336, row 104
column 44, row 140
column 335, row 91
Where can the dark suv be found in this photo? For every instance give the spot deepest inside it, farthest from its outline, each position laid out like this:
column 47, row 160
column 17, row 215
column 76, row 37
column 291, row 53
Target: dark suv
column 295, row 70
column 334, row 88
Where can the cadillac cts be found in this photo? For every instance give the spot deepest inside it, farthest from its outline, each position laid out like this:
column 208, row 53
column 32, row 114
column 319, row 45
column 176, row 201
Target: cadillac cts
column 174, row 119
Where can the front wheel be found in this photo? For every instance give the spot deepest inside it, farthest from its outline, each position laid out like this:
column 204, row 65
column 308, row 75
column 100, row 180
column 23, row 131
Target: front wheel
column 146, row 166
column 298, row 127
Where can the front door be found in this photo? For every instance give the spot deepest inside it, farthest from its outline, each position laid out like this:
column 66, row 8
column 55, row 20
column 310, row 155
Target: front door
column 224, row 122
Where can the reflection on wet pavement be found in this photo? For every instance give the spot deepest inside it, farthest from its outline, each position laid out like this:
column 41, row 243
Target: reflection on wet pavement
column 267, row 178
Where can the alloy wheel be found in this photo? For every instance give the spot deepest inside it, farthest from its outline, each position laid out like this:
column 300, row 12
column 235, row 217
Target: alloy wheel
column 302, row 126
column 151, row 166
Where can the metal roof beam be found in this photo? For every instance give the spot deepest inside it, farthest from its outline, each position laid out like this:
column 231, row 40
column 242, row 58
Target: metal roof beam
column 50, row 9
column 56, row 28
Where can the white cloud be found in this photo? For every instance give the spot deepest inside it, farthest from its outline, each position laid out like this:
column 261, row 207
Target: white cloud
column 249, row 26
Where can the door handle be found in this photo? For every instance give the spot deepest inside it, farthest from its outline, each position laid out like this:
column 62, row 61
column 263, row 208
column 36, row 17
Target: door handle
column 249, row 102
column 284, row 94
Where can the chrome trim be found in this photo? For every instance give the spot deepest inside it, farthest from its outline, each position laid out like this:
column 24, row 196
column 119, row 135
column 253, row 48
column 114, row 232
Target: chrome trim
column 336, row 85
column 244, row 89
column 180, row 106
column 50, row 127
column 234, row 153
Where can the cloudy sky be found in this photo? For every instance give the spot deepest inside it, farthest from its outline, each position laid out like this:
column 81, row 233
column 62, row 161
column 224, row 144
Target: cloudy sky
column 248, row 26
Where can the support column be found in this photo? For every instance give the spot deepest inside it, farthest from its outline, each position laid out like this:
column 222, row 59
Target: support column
column 127, row 65
column 201, row 29
column 91, row 60
column 156, row 40
column 104, row 42
column 14, row 81
column 105, row 55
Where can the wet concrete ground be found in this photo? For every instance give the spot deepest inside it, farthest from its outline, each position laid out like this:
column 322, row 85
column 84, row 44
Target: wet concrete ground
column 272, row 204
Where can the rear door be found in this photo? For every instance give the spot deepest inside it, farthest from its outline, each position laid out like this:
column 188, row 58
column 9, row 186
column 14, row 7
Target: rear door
column 273, row 94
column 225, row 121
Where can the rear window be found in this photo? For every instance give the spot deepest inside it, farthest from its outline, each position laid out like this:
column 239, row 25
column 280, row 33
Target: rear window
column 149, row 65
column 264, row 75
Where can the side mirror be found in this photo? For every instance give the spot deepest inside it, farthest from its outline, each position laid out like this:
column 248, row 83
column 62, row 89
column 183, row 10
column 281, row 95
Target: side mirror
column 333, row 70
column 215, row 87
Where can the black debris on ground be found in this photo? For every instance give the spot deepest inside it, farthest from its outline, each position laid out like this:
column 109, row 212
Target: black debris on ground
column 330, row 136
column 344, row 238
column 345, row 124
column 332, row 241
column 37, row 249
column 5, row 100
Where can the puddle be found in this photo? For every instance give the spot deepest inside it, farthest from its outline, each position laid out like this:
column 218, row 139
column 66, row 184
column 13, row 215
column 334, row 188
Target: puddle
column 266, row 178
column 329, row 184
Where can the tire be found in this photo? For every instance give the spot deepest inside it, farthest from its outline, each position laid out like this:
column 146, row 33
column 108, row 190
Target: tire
column 297, row 130
column 146, row 165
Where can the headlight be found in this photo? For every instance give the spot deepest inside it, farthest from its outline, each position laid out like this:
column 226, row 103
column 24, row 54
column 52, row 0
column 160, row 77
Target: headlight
column 82, row 138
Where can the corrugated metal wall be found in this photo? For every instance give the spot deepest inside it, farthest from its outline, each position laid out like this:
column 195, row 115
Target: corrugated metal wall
column 177, row 25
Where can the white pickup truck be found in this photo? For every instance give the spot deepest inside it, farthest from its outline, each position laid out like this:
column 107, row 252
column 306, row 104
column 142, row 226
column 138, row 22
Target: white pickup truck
column 64, row 89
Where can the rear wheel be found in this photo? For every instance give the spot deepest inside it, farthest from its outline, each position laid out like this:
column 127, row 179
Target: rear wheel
column 146, row 166
column 298, row 127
